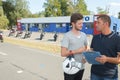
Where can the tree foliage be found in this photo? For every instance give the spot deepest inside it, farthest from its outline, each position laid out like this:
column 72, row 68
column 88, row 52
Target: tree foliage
column 101, row 11
column 81, row 7
column 78, row 6
column 36, row 15
column 3, row 20
column 52, row 8
column 0, row 2
column 15, row 9
column 64, row 7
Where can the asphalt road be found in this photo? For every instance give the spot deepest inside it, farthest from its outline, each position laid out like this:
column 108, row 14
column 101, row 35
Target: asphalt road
column 23, row 63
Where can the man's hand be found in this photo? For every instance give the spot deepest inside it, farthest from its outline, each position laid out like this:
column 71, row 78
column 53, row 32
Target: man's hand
column 84, row 60
column 79, row 50
column 102, row 59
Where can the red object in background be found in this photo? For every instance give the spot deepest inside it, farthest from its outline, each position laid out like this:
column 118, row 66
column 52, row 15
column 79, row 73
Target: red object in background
column 95, row 32
column 18, row 25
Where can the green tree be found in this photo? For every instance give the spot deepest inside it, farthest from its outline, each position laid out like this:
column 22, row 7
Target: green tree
column 0, row 2
column 36, row 15
column 41, row 14
column 78, row 6
column 52, row 8
column 3, row 20
column 64, row 7
column 9, row 12
column 81, row 7
column 101, row 11
column 21, row 8
column 15, row 9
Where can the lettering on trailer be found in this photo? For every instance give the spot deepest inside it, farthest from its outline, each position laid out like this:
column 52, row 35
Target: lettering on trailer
column 95, row 18
column 88, row 18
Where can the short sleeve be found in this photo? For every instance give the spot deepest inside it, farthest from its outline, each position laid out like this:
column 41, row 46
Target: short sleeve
column 91, row 46
column 65, row 41
column 118, row 44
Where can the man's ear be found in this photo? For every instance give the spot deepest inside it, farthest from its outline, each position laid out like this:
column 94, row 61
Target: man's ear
column 72, row 23
column 106, row 23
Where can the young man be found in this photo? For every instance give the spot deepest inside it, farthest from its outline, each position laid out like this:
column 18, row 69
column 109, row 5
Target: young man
column 108, row 44
column 74, row 43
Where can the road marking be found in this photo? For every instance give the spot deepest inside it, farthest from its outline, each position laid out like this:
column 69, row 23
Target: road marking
column 50, row 54
column 42, row 65
column 20, row 71
column 4, row 54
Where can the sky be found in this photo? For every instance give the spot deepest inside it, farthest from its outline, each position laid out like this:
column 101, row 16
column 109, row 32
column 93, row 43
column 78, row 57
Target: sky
column 36, row 6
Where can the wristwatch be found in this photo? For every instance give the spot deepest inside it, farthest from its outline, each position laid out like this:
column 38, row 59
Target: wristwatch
column 71, row 53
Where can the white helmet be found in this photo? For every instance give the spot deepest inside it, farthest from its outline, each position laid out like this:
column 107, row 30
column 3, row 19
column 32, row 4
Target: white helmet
column 70, row 66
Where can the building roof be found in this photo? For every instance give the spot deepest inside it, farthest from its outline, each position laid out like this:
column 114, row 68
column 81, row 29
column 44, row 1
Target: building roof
column 62, row 19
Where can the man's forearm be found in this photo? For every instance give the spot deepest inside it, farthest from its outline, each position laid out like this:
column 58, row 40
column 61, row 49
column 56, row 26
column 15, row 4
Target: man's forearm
column 79, row 50
column 66, row 53
column 113, row 60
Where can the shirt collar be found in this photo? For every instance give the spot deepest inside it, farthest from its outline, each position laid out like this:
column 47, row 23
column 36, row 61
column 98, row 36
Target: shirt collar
column 109, row 35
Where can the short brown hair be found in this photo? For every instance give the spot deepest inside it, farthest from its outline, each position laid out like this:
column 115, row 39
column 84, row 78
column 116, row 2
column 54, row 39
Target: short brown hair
column 105, row 18
column 75, row 17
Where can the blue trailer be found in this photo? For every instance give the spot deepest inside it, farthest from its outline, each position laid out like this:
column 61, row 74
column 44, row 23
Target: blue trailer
column 55, row 24
column 115, row 24
column 62, row 24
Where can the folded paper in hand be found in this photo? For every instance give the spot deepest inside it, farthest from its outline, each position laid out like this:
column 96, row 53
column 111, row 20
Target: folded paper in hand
column 91, row 56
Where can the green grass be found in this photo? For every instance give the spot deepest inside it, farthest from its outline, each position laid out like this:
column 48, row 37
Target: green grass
column 38, row 45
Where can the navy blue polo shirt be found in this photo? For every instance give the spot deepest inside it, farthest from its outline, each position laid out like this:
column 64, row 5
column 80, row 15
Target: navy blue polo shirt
column 107, row 45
